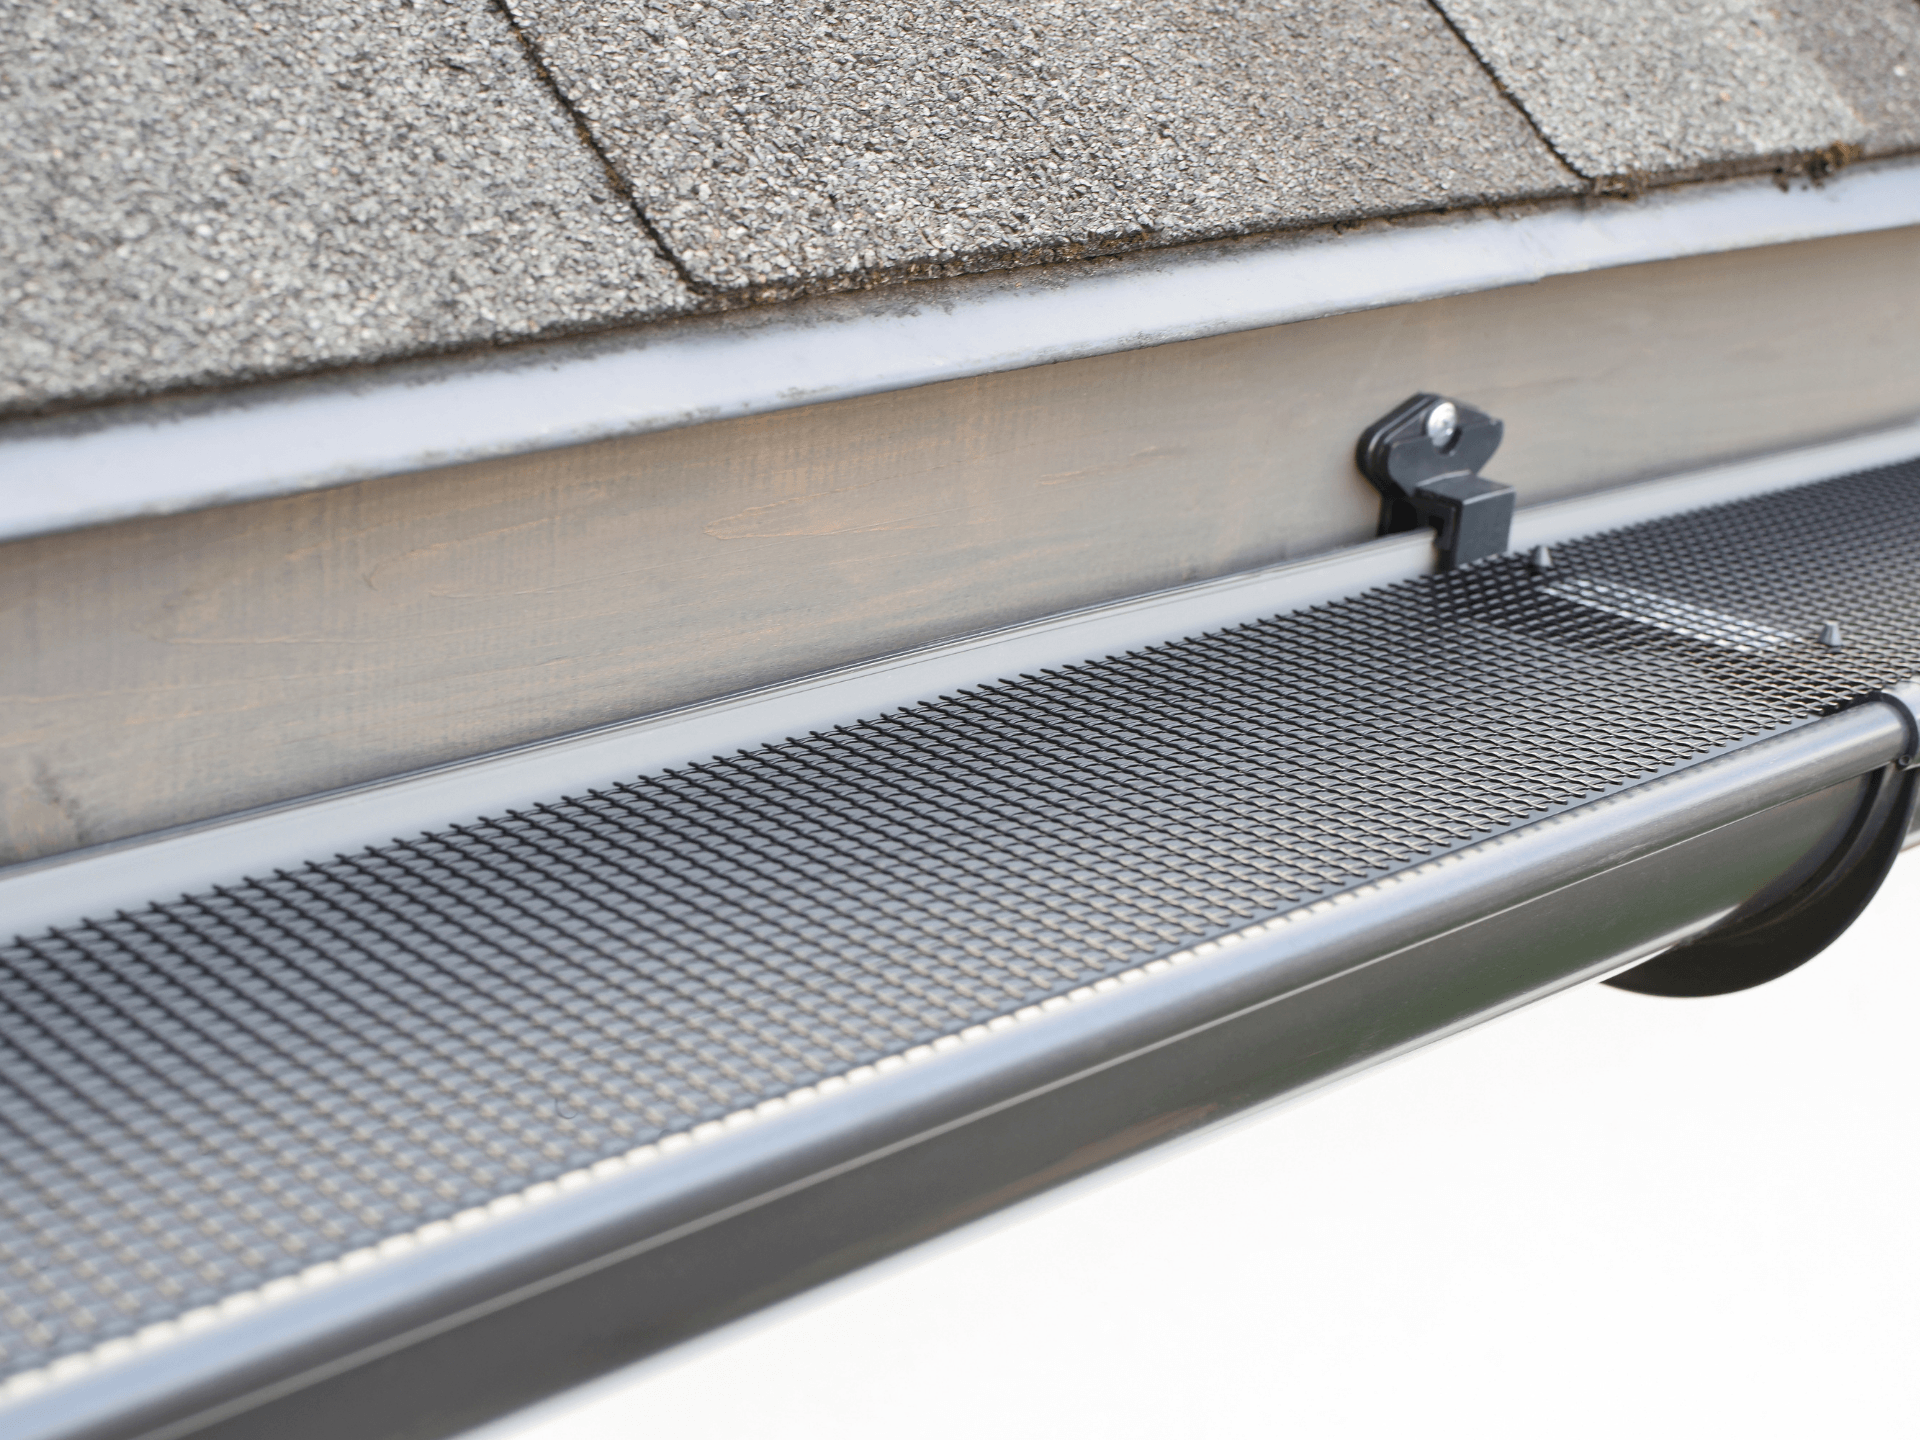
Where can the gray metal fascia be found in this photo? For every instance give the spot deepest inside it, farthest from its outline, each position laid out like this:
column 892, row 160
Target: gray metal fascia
column 161, row 457
column 428, row 1289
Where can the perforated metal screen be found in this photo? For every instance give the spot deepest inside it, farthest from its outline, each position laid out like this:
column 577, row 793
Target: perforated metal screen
column 227, row 1088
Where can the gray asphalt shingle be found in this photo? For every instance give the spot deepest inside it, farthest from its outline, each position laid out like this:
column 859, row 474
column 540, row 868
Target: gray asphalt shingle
column 1871, row 51
column 1665, row 87
column 203, row 192
column 788, row 144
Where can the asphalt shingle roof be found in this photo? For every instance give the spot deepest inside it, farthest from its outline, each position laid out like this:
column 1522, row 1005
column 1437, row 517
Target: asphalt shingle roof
column 198, row 193
column 808, row 142
column 1666, row 87
column 204, row 192
column 1871, row 52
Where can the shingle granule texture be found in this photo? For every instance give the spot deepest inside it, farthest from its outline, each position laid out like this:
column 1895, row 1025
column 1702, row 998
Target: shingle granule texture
column 198, row 191
column 780, row 145
column 1871, row 50
column 1652, row 87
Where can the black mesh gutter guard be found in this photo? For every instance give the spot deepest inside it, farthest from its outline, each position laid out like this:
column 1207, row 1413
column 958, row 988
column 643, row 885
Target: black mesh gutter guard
column 389, row 1142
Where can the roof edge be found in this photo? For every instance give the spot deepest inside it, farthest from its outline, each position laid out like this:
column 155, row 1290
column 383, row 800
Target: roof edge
column 166, row 456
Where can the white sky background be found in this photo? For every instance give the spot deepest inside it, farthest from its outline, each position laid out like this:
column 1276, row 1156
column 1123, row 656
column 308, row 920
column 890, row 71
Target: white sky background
column 1607, row 1214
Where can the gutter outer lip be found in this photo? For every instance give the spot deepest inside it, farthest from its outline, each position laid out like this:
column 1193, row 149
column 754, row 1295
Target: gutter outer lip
column 437, row 1287
column 165, row 457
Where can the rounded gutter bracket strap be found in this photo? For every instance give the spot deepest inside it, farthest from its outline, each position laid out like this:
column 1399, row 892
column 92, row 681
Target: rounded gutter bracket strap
column 1764, row 944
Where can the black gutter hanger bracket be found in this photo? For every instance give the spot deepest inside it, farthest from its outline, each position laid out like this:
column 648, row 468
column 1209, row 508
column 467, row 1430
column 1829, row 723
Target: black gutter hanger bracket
column 1424, row 458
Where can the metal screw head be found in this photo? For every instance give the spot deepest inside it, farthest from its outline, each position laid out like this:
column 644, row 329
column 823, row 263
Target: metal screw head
column 1443, row 424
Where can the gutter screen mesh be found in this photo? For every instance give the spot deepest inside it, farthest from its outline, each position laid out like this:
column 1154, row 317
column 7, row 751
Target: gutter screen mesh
column 227, row 1088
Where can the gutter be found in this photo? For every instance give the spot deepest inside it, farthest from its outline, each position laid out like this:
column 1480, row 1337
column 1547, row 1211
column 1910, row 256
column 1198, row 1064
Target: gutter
column 660, row 1230
column 168, row 456
column 1786, row 821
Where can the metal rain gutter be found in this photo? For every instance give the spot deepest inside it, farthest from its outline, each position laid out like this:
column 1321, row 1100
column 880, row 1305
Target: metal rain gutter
column 1277, row 976
column 161, row 457
column 1572, row 788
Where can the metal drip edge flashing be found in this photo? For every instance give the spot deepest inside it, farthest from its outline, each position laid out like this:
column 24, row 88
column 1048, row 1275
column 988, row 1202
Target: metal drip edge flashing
column 165, row 456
